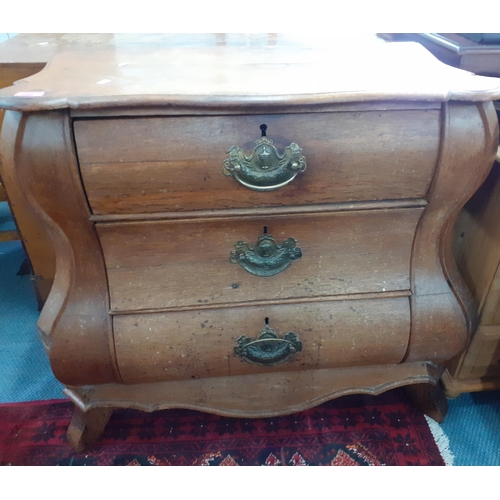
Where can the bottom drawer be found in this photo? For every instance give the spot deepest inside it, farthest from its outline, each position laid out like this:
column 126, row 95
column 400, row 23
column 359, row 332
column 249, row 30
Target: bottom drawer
column 201, row 343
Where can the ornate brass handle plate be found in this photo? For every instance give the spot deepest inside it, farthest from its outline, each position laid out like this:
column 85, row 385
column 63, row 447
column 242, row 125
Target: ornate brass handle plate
column 265, row 169
column 268, row 349
column 266, row 257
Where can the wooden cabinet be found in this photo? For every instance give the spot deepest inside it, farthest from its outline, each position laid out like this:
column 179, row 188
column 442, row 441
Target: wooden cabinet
column 257, row 240
column 477, row 250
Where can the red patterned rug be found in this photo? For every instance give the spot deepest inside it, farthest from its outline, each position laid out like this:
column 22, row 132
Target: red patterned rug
column 354, row 430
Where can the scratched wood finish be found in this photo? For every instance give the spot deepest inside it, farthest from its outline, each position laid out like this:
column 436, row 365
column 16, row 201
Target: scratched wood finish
column 75, row 326
column 175, row 163
column 199, row 344
column 169, row 264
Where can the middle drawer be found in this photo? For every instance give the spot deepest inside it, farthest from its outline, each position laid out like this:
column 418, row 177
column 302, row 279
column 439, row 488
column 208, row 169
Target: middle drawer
column 169, row 264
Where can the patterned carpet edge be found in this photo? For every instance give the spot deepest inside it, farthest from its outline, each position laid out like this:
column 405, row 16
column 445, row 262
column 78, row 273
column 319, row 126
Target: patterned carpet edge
column 442, row 441
column 352, row 431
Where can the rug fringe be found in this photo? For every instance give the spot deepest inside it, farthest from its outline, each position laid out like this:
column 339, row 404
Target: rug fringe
column 442, row 441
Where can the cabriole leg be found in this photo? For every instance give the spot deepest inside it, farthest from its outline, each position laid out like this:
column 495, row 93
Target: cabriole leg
column 86, row 427
column 429, row 399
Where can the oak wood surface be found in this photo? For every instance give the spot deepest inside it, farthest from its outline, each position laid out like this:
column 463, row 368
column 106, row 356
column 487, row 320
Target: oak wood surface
column 9, row 235
column 476, row 242
column 86, row 427
column 257, row 211
column 261, row 395
column 482, row 358
column 134, row 165
column 258, row 70
column 443, row 311
column 248, row 109
column 429, row 399
column 477, row 247
column 199, row 344
column 455, row 386
column 35, row 241
column 75, row 325
column 342, row 253
column 166, row 264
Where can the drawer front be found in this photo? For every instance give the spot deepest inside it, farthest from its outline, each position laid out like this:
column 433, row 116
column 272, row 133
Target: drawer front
column 169, row 264
column 141, row 165
column 198, row 344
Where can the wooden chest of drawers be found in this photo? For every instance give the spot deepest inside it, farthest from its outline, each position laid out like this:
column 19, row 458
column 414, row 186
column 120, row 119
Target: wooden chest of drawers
column 248, row 245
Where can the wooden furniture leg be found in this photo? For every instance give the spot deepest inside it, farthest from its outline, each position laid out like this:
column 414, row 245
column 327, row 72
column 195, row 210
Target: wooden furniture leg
column 86, row 427
column 430, row 399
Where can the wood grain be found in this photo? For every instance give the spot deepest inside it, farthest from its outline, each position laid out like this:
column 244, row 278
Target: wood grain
column 168, row 264
column 454, row 387
column 75, row 325
column 333, row 107
column 477, row 247
column 429, row 399
column 9, row 235
column 491, row 309
column 172, row 275
column 175, row 164
column 248, row 213
column 293, row 69
column 443, row 311
column 482, row 359
column 35, row 241
column 262, row 395
column 199, row 344
column 86, row 427
column 476, row 240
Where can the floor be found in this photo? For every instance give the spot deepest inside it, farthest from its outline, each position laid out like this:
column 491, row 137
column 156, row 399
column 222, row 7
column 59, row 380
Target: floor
column 472, row 425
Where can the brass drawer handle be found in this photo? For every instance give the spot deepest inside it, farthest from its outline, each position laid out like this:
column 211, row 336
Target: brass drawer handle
column 266, row 257
column 268, row 349
column 265, row 169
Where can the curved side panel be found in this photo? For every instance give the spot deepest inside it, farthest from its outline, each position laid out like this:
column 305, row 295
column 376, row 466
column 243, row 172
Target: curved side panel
column 443, row 313
column 75, row 326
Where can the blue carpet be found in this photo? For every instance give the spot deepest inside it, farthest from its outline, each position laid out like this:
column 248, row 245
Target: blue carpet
column 472, row 425
column 6, row 222
column 473, row 428
column 26, row 374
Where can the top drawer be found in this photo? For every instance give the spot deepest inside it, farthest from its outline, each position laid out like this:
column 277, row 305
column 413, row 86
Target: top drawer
column 164, row 164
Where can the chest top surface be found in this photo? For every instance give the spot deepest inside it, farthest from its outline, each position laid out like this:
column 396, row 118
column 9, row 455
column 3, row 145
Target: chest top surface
column 239, row 70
